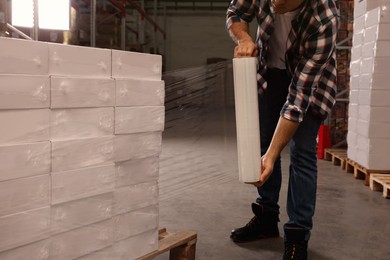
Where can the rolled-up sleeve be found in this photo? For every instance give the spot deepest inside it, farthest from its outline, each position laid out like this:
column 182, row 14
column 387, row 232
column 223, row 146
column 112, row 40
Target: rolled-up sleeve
column 240, row 11
column 318, row 50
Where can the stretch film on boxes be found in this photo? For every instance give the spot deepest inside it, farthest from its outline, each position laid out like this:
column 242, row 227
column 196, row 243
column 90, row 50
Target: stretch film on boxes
column 78, row 61
column 137, row 171
column 82, row 183
column 24, row 126
column 70, row 92
column 82, row 241
column 378, row 15
column 80, row 153
column 81, row 123
column 136, row 92
column 135, row 222
column 129, row 120
column 136, row 146
column 24, row 91
column 136, row 246
column 24, row 160
column 142, row 195
column 35, row 251
column 24, row 227
column 24, row 194
column 23, row 57
column 247, row 119
column 136, row 65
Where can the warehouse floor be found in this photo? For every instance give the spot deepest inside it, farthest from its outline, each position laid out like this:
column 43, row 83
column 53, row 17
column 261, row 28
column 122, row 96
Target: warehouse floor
column 199, row 190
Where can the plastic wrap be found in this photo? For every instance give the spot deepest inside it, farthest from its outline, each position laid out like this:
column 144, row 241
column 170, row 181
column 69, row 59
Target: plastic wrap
column 81, row 123
column 67, row 60
column 136, row 65
column 17, row 58
column 24, row 126
column 137, row 92
column 68, row 92
column 247, row 119
column 24, row 194
column 143, row 145
column 82, row 183
column 23, row 160
column 71, row 187
column 21, row 92
column 130, row 120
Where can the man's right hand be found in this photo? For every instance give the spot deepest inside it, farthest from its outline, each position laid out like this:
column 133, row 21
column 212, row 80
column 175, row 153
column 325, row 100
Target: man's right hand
column 246, row 48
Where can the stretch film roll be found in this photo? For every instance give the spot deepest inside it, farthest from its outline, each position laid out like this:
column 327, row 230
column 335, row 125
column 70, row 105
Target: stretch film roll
column 247, row 119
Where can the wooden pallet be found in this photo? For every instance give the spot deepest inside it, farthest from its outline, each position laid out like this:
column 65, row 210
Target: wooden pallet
column 349, row 166
column 181, row 245
column 337, row 156
column 361, row 172
column 381, row 182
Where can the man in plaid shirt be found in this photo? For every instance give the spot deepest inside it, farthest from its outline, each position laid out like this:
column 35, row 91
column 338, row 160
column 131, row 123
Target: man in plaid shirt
column 295, row 45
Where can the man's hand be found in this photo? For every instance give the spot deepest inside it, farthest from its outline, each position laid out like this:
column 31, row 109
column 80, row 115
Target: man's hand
column 267, row 167
column 246, row 48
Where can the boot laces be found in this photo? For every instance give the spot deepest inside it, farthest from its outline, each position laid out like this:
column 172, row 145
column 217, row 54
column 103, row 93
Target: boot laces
column 295, row 251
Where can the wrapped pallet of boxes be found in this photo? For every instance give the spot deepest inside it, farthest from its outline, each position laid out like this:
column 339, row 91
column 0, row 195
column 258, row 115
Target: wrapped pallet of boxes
column 79, row 149
column 369, row 121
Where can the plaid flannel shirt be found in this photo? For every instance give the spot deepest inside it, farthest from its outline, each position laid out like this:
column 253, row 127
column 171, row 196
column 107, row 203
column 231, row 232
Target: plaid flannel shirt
column 310, row 55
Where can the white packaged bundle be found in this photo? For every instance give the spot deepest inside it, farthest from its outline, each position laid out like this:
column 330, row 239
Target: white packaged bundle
column 71, row 92
column 247, row 119
column 24, row 91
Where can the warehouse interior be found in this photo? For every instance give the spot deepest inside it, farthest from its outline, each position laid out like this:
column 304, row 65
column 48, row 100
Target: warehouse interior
column 198, row 185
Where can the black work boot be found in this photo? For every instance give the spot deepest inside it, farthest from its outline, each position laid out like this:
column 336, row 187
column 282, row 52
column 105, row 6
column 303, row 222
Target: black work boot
column 263, row 225
column 295, row 245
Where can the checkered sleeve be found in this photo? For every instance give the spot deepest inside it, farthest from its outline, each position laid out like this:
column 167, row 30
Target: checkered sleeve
column 319, row 48
column 240, row 11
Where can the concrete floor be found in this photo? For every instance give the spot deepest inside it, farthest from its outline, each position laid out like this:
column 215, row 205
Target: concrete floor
column 200, row 191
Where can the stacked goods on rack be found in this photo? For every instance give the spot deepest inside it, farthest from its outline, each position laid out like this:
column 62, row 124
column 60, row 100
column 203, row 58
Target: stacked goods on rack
column 79, row 145
column 369, row 109
column 339, row 118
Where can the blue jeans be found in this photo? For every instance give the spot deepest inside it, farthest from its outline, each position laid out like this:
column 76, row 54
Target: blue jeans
column 302, row 184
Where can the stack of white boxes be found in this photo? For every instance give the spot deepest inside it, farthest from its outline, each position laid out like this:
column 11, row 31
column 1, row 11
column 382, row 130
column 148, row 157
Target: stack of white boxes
column 369, row 108
column 79, row 146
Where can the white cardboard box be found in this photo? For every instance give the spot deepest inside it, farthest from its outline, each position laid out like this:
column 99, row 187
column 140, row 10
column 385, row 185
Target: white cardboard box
column 82, row 183
column 129, row 120
column 356, row 57
column 135, row 222
column 78, row 213
column 360, row 8
column 352, row 124
column 373, row 129
column 24, row 91
column 136, row 65
column 352, row 138
column 359, row 23
column 375, row 65
column 373, row 161
column 354, row 82
column 136, row 246
column 358, row 38
column 103, row 254
column 24, row 228
column 67, row 92
column 376, row 49
column 380, row 32
column 137, row 171
column 353, row 110
column 67, row 60
column 375, row 14
column 136, row 146
column 81, row 123
column 24, row 194
column 35, row 251
column 82, row 241
column 142, row 195
column 24, row 126
column 352, row 153
column 136, row 92
column 375, row 98
column 355, row 67
column 374, row 145
column 374, row 114
column 23, row 57
column 77, row 154
column 24, row 160
column 354, row 96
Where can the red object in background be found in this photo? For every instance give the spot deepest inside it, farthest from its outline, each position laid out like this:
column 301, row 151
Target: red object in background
column 323, row 140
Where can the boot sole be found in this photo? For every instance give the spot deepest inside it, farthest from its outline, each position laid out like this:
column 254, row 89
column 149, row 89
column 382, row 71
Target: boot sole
column 235, row 240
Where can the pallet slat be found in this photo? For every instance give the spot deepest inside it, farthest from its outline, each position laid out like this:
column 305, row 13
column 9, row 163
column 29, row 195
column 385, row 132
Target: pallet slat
column 337, row 156
column 381, row 182
column 182, row 245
